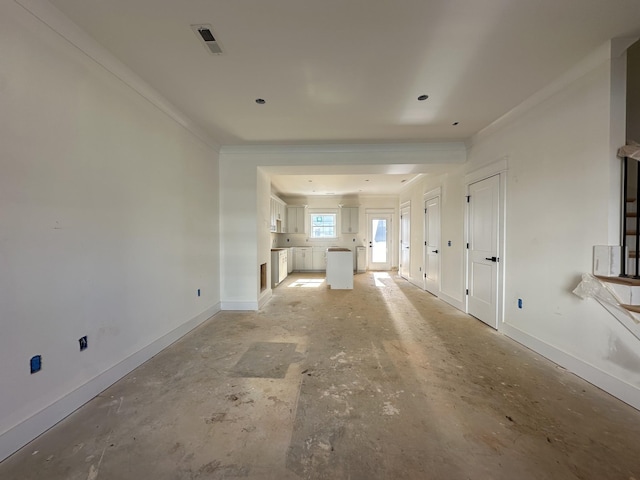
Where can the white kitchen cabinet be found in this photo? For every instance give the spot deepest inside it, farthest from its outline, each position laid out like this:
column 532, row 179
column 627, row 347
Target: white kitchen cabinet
column 290, row 252
column 303, row 259
column 319, row 259
column 296, row 219
column 277, row 215
column 278, row 266
column 272, row 218
column 350, row 220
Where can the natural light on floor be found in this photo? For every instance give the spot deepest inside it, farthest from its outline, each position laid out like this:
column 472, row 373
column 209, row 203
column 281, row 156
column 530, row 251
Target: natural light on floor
column 307, row 283
column 378, row 276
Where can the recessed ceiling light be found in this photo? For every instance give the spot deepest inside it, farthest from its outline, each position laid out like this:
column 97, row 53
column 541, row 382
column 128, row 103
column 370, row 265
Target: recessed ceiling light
column 402, row 181
column 310, row 181
column 260, row 101
column 366, row 180
column 455, row 123
column 422, row 98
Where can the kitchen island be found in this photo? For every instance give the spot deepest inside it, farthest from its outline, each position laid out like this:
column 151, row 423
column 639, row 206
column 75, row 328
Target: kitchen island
column 340, row 268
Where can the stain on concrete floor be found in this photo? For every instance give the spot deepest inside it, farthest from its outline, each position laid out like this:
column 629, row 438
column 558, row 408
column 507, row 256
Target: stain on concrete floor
column 384, row 381
column 265, row 360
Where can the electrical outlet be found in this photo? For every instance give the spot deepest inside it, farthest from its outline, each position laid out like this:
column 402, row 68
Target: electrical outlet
column 36, row 363
column 449, row 243
column 198, row 292
column 83, row 343
column 519, row 303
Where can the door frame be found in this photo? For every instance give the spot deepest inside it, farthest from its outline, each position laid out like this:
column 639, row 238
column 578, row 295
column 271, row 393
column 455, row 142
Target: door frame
column 430, row 195
column 401, row 266
column 370, row 214
column 499, row 168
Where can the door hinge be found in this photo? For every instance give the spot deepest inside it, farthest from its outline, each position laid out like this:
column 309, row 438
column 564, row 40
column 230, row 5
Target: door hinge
column 468, row 198
column 425, row 210
column 467, row 291
column 467, row 246
column 425, row 244
column 425, row 274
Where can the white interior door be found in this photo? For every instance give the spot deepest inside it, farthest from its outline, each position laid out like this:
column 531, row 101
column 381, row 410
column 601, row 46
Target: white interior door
column 405, row 242
column 379, row 230
column 482, row 265
column 432, row 245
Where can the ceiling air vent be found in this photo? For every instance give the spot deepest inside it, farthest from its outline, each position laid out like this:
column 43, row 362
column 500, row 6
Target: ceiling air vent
column 205, row 34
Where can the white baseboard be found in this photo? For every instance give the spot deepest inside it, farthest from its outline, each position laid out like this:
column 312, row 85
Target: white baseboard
column 451, row 301
column 616, row 387
column 250, row 306
column 20, row 435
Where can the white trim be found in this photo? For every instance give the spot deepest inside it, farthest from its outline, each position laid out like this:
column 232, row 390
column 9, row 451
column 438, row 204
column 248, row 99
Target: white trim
column 18, row 436
column 452, row 301
column 620, row 389
column 434, row 192
column 608, row 50
column 54, row 19
column 413, row 282
column 417, row 148
column 401, row 267
column 486, row 171
column 240, row 306
column 379, row 211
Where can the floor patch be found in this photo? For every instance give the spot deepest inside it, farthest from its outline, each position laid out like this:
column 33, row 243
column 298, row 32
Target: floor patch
column 265, row 360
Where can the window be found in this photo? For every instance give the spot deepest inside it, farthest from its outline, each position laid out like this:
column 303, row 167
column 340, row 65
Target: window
column 323, row 225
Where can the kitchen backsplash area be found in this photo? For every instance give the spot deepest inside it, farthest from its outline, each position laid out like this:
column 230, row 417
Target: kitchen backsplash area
column 284, row 240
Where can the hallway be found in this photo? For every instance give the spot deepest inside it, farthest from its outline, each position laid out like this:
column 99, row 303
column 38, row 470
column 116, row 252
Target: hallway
column 380, row 382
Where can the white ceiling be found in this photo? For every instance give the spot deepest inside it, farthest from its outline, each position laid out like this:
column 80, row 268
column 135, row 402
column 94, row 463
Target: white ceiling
column 350, row 71
column 341, row 185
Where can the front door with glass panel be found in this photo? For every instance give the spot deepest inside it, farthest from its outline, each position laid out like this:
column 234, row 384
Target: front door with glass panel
column 379, row 242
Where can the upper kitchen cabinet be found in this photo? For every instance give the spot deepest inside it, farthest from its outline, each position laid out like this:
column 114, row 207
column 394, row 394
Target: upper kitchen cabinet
column 296, row 219
column 278, row 215
column 349, row 220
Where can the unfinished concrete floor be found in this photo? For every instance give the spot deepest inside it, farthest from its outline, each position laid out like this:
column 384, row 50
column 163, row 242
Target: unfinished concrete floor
column 381, row 382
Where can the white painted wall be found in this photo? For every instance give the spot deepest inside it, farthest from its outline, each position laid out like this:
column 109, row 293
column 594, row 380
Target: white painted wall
column 264, row 234
column 108, row 226
column 452, row 228
column 558, row 198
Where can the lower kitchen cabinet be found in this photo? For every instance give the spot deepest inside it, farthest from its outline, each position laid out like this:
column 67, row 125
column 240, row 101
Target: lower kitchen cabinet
column 290, row 259
column 303, row 259
column 319, row 262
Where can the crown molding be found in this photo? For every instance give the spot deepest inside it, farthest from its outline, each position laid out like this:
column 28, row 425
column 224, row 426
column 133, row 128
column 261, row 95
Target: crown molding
column 54, row 19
